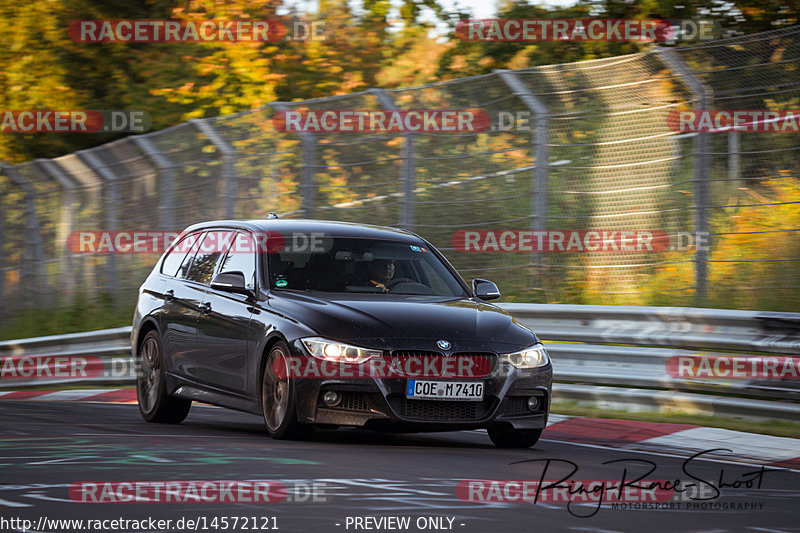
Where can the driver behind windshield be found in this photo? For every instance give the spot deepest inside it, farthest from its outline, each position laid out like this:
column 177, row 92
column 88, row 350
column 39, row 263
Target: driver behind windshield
column 381, row 272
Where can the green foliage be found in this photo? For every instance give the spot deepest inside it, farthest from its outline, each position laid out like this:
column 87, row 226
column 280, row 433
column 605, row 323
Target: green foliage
column 735, row 18
column 40, row 67
column 83, row 313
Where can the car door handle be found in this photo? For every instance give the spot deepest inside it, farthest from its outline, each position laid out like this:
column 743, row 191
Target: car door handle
column 205, row 307
column 169, row 295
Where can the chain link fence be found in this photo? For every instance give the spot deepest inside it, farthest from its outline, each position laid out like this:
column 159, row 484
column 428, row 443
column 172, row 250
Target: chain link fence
column 596, row 154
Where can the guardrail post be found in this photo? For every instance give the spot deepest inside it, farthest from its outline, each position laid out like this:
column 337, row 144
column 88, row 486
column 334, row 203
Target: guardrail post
column 228, row 155
column 409, row 166
column 111, row 203
column 65, row 225
column 31, row 273
column 166, row 215
column 309, row 164
column 704, row 97
column 540, row 147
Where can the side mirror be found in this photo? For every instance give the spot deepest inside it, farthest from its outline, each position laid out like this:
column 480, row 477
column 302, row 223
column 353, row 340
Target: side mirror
column 485, row 289
column 230, row 282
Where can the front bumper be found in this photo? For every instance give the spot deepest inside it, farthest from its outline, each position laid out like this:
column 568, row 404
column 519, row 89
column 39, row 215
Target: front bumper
column 381, row 403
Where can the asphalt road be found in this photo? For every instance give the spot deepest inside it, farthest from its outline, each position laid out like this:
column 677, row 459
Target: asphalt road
column 56, row 456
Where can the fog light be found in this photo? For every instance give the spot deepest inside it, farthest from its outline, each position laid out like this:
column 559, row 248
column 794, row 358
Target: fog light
column 331, row 398
column 533, row 403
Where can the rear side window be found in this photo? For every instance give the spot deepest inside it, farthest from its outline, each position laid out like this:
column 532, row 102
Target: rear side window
column 241, row 257
column 177, row 254
column 183, row 270
column 212, row 248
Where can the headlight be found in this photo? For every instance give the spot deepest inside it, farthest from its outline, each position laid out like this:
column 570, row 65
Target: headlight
column 338, row 352
column 531, row 357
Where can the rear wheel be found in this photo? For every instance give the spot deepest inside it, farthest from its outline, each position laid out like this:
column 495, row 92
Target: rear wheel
column 278, row 397
column 151, row 388
column 507, row 437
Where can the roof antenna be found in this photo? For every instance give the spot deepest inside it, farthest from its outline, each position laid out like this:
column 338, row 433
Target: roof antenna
column 272, row 215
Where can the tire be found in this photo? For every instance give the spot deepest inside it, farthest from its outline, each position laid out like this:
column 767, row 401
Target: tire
column 151, row 387
column 278, row 403
column 506, row 437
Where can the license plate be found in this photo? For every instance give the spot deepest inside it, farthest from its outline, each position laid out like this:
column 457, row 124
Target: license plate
column 444, row 390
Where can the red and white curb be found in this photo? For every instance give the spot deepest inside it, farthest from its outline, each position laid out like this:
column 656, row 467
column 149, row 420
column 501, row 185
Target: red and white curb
column 681, row 439
column 79, row 395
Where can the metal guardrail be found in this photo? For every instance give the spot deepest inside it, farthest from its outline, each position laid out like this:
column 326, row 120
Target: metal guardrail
column 607, row 356
column 111, row 347
column 680, row 327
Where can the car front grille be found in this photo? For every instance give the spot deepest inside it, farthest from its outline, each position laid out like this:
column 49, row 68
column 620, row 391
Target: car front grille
column 423, row 354
column 438, row 411
column 445, row 411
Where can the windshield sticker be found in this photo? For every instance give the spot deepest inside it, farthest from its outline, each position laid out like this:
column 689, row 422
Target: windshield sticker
column 418, row 248
column 281, row 283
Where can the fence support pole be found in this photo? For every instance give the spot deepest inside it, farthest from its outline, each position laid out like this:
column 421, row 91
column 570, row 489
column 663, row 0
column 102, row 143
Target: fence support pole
column 3, row 310
column 228, row 170
column 539, row 147
column 407, row 215
column 166, row 204
column 65, row 225
column 704, row 98
column 31, row 274
column 309, row 164
column 734, row 158
column 111, row 205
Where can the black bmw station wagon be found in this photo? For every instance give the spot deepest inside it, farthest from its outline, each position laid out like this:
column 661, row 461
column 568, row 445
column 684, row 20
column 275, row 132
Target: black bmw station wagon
column 328, row 324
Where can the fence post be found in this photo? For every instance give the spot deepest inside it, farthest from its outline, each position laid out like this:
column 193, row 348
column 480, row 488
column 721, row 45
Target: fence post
column 704, row 96
column 309, row 163
column 228, row 155
column 111, row 202
column 409, row 166
column 3, row 310
column 65, row 225
column 166, row 205
column 539, row 147
column 31, row 273
column 734, row 158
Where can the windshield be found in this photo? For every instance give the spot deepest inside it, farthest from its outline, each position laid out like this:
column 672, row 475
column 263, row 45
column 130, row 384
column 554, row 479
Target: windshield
column 351, row 265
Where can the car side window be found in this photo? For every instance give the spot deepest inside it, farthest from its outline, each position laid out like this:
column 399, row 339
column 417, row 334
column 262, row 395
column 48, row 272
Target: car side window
column 241, row 257
column 208, row 255
column 177, row 254
column 186, row 264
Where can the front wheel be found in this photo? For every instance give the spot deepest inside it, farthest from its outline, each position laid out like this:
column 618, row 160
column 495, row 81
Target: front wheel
column 506, row 437
column 151, row 388
column 278, row 398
